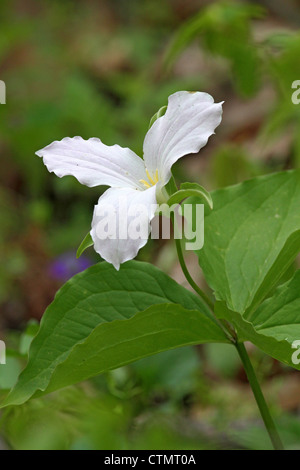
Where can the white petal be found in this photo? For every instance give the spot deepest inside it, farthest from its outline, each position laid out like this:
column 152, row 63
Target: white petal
column 94, row 163
column 189, row 121
column 119, row 211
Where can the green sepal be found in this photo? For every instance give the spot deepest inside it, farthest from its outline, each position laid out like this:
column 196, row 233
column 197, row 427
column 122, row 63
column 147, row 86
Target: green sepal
column 157, row 115
column 86, row 242
column 190, row 190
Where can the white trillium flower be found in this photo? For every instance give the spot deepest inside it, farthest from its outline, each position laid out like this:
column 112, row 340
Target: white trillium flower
column 189, row 121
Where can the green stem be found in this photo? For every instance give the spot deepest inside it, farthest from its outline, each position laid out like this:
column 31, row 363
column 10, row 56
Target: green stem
column 189, row 277
column 196, row 288
column 185, row 271
column 260, row 400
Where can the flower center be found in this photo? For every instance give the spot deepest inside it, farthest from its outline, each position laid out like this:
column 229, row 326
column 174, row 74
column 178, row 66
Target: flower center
column 152, row 180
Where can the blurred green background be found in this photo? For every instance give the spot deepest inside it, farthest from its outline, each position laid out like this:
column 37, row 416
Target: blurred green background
column 102, row 69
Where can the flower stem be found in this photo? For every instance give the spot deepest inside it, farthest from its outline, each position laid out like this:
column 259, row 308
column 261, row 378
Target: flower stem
column 189, row 277
column 260, row 400
column 196, row 288
column 185, row 271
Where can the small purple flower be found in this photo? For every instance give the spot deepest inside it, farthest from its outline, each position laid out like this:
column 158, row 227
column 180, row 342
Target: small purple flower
column 67, row 265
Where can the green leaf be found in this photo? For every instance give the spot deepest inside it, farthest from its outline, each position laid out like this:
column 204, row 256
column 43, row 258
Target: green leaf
column 111, row 345
column 251, row 238
column 100, row 295
column 275, row 325
column 86, row 242
column 190, row 190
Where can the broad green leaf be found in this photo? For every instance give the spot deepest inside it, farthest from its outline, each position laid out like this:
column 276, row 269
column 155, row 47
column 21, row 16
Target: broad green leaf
column 251, row 237
column 275, row 325
column 96, row 296
column 86, row 242
column 111, row 345
column 190, row 190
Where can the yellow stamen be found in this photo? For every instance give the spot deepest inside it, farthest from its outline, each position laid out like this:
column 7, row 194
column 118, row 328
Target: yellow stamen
column 152, row 179
column 149, row 178
column 145, row 183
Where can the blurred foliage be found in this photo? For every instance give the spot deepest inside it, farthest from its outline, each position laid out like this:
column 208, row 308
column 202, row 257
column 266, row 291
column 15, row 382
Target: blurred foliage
column 285, row 69
column 225, row 31
column 230, row 165
column 100, row 68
